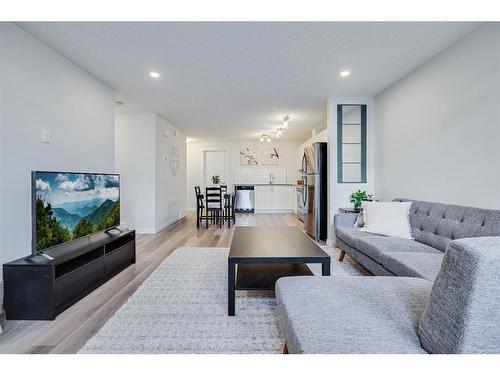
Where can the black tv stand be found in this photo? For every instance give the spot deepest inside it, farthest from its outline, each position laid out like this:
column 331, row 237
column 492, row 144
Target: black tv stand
column 37, row 288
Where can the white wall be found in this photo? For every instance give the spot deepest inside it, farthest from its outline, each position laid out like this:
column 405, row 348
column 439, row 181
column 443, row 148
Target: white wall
column 40, row 89
column 135, row 162
column 289, row 161
column 438, row 129
column 151, row 196
column 339, row 193
column 170, row 189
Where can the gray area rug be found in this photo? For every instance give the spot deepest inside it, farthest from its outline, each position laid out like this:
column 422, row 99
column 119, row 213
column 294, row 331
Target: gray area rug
column 182, row 308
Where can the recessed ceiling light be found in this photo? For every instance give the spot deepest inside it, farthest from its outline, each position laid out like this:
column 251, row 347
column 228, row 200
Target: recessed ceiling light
column 345, row 73
column 155, row 74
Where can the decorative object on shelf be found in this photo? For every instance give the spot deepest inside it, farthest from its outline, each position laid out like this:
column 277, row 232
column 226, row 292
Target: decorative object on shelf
column 359, row 196
column 174, row 160
column 216, row 180
column 270, row 156
column 265, row 137
column 247, row 157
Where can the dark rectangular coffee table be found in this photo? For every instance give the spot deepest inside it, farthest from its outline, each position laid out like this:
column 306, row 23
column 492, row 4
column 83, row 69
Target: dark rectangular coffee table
column 263, row 255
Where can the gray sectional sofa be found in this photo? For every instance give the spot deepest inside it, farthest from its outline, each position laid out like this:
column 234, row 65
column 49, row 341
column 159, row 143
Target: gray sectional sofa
column 451, row 306
column 433, row 225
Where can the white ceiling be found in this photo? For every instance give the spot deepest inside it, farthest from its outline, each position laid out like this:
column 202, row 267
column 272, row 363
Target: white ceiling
column 237, row 80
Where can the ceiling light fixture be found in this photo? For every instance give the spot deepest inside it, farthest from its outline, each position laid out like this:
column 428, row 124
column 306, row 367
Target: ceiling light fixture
column 279, row 132
column 285, row 121
column 154, row 74
column 265, row 137
column 345, row 73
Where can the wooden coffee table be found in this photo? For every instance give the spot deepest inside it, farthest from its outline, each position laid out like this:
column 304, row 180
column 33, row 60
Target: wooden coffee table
column 259, row 256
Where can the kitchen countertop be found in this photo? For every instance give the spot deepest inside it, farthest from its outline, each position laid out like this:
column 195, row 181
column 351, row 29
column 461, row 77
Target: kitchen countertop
column 273, row 184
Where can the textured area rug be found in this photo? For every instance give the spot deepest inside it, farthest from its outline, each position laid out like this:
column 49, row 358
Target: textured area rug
column 182, row 308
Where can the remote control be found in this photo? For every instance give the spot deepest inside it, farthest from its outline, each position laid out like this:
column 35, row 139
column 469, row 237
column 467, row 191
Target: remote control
column 47, row 256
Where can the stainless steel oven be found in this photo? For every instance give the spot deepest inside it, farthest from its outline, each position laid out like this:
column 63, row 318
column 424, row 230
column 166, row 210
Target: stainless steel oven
column 301, row 208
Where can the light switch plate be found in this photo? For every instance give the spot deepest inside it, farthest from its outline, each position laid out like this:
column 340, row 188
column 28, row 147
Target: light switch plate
column 45, row 136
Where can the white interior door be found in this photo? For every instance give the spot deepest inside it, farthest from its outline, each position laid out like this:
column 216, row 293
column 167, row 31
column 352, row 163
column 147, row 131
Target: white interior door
column 214, row 163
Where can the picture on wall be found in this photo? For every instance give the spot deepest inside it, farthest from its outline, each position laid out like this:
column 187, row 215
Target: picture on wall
column 247, row 157
column 270, row 156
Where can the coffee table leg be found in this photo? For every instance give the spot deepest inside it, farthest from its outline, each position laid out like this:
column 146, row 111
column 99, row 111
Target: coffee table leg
column 325, row 268
column 231, row 279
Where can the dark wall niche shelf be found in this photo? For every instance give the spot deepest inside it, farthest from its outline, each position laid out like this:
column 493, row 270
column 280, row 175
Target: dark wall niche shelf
column 36, row 288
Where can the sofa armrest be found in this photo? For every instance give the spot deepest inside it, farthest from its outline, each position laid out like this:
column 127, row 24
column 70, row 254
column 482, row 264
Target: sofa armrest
column 481, row 245
column 344, row 220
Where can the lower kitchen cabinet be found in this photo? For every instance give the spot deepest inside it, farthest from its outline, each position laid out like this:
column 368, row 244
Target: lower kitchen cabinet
column 274, row 197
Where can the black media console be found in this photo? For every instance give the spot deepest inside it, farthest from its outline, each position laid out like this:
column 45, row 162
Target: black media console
column 37, row 288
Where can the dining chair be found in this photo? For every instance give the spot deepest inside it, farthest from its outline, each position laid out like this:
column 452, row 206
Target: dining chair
column 199, row 206
column 213, row 200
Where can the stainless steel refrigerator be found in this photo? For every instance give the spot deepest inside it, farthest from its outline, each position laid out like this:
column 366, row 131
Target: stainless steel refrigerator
column 315, row 190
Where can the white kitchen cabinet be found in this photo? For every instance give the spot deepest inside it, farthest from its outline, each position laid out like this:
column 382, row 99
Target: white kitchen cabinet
column 280, row 198
column 262, row 198
column 274, row 198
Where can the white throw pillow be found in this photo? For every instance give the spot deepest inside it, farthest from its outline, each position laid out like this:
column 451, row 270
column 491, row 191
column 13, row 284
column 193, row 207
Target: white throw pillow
column 387, row 218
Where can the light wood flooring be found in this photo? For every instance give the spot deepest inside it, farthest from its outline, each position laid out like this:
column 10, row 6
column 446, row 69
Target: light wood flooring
column 71, row 330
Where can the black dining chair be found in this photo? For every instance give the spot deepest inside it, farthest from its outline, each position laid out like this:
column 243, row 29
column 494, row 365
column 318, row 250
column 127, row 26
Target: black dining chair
column 199, row 206
column 213, row 200
column 229, row 208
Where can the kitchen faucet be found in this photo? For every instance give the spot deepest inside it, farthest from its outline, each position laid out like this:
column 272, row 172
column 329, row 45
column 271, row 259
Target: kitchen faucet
column 271, row 177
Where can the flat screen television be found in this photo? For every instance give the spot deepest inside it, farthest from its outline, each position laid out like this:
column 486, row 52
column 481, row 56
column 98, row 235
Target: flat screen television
column 67, row 206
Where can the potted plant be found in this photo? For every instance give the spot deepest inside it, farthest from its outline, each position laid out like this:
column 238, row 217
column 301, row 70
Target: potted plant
column 216, row 179
column 359, row 196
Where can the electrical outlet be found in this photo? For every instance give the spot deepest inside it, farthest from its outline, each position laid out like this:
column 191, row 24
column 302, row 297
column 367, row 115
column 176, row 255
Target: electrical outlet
column 45, row 136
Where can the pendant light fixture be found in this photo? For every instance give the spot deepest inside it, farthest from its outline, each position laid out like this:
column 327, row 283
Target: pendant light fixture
column 285, row 121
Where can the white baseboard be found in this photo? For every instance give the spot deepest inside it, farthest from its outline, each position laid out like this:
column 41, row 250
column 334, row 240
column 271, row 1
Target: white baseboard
column 182, row 215
column 330, row 242
column 289, row 211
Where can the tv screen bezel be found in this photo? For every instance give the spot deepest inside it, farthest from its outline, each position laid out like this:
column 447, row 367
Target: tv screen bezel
column 34, row 249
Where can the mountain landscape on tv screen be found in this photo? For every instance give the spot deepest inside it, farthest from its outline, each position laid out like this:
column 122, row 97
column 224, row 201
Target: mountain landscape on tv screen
column 69, row 206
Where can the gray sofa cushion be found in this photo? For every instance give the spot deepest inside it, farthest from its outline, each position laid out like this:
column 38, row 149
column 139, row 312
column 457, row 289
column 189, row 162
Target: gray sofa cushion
column 424, row 265
column 350, row 234
column 376, row 246
column 351, row 314
column 463, row 314
column 436, row 224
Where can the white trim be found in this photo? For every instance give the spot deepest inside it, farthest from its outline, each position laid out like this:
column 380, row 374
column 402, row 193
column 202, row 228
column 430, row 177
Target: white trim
column 182, row 215
column 226, row 150
column 263, row 211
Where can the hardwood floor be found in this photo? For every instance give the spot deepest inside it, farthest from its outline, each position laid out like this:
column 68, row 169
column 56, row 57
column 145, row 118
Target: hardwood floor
column 71, row 330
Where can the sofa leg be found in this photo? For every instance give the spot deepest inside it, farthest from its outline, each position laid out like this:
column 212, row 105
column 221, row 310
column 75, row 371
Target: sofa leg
column 342, row 255
column 285, row 349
